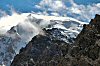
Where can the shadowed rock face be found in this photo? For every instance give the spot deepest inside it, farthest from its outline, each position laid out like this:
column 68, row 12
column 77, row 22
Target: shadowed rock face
column 87, row 45
column 89, row 38
column 45, row 50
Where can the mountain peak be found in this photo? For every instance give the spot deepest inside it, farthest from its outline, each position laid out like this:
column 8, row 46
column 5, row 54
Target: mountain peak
column 47, row 51
column 21, row 28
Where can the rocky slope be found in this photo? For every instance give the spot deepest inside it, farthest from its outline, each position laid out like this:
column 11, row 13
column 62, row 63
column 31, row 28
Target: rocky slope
column 48, row 50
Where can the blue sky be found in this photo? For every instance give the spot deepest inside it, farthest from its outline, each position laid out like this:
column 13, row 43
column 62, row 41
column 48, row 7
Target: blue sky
column 28, row 5
column 72, row 8
column 86, row 2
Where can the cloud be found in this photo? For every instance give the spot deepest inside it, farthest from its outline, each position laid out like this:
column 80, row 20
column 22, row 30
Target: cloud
column 51, row 5
column 85, row 12
column 98, row 5
column 78, row 11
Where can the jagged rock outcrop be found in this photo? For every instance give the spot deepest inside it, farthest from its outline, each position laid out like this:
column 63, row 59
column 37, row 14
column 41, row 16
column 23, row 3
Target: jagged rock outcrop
column 46, row 50
column 87, row 45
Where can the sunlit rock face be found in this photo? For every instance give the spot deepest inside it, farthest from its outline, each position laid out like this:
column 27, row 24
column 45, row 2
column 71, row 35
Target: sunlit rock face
column 48, row 50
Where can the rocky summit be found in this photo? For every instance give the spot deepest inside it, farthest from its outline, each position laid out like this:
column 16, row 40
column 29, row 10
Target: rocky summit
column 47, row 50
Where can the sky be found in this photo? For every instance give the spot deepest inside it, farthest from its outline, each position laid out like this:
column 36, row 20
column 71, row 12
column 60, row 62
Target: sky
column 83, row 10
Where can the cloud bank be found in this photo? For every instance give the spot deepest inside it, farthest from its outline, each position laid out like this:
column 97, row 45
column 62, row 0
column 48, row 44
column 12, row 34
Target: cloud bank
column 60, row 8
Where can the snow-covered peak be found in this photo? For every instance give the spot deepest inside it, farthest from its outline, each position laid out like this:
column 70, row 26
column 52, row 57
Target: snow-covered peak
column 7, row 22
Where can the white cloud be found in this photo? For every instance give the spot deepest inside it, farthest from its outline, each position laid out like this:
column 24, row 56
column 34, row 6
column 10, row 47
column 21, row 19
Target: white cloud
column 72, row 3
column 55, row 14
column 37, row 6
column 80, row 12
column 75, row 10
column 58, row 5
column 98, row 5
column 52, row 5
column 85, row 12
